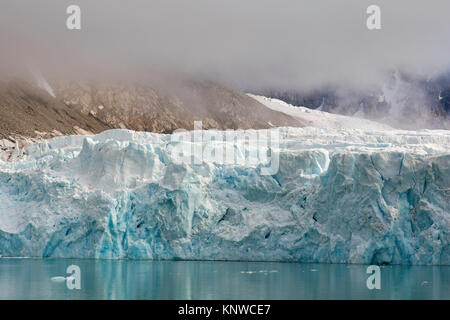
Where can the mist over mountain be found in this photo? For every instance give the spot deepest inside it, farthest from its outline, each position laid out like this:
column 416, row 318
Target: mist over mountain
column 256, row 44
column 39, row 109
column 403, row 100
column 315, row 54
column 30, row 111
column 158, row 107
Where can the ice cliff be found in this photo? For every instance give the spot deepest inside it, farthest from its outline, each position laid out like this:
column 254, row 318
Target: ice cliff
column 339, row 196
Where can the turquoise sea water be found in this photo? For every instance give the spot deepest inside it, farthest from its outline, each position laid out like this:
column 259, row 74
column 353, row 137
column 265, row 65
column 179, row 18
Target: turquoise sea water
column 106, row 279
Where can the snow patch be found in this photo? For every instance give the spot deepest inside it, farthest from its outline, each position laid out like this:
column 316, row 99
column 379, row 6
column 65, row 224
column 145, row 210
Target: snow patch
column 320, row 119
column 43, row 84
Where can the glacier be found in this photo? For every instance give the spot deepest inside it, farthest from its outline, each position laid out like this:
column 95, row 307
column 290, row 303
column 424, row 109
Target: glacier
column 373, row 196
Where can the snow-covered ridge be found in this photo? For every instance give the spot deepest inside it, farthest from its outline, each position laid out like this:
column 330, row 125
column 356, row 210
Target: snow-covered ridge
column 353, row 196
column 318, row 118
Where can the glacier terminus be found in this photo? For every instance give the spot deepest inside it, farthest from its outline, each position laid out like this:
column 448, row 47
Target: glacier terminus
column 339, row 196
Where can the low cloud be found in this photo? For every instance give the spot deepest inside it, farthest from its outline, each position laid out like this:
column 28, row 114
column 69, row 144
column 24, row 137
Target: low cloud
column 250, row 44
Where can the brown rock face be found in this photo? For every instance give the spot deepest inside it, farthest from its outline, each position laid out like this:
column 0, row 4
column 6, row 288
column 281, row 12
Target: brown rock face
column 26, row 110
column 150, row 108
column 83, row 108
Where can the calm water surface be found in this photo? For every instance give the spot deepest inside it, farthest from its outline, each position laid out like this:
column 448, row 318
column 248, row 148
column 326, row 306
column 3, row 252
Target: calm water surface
column 104, row 279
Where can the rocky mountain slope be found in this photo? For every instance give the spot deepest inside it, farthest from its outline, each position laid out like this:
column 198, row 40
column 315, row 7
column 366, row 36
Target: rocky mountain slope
column 28, row 111
column 163, row 110
column 32, row 111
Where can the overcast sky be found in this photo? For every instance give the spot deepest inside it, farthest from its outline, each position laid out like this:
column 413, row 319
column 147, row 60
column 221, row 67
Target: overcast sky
column 249, row 43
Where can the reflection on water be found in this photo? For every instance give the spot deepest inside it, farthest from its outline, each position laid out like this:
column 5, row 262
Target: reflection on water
column 105, row 279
